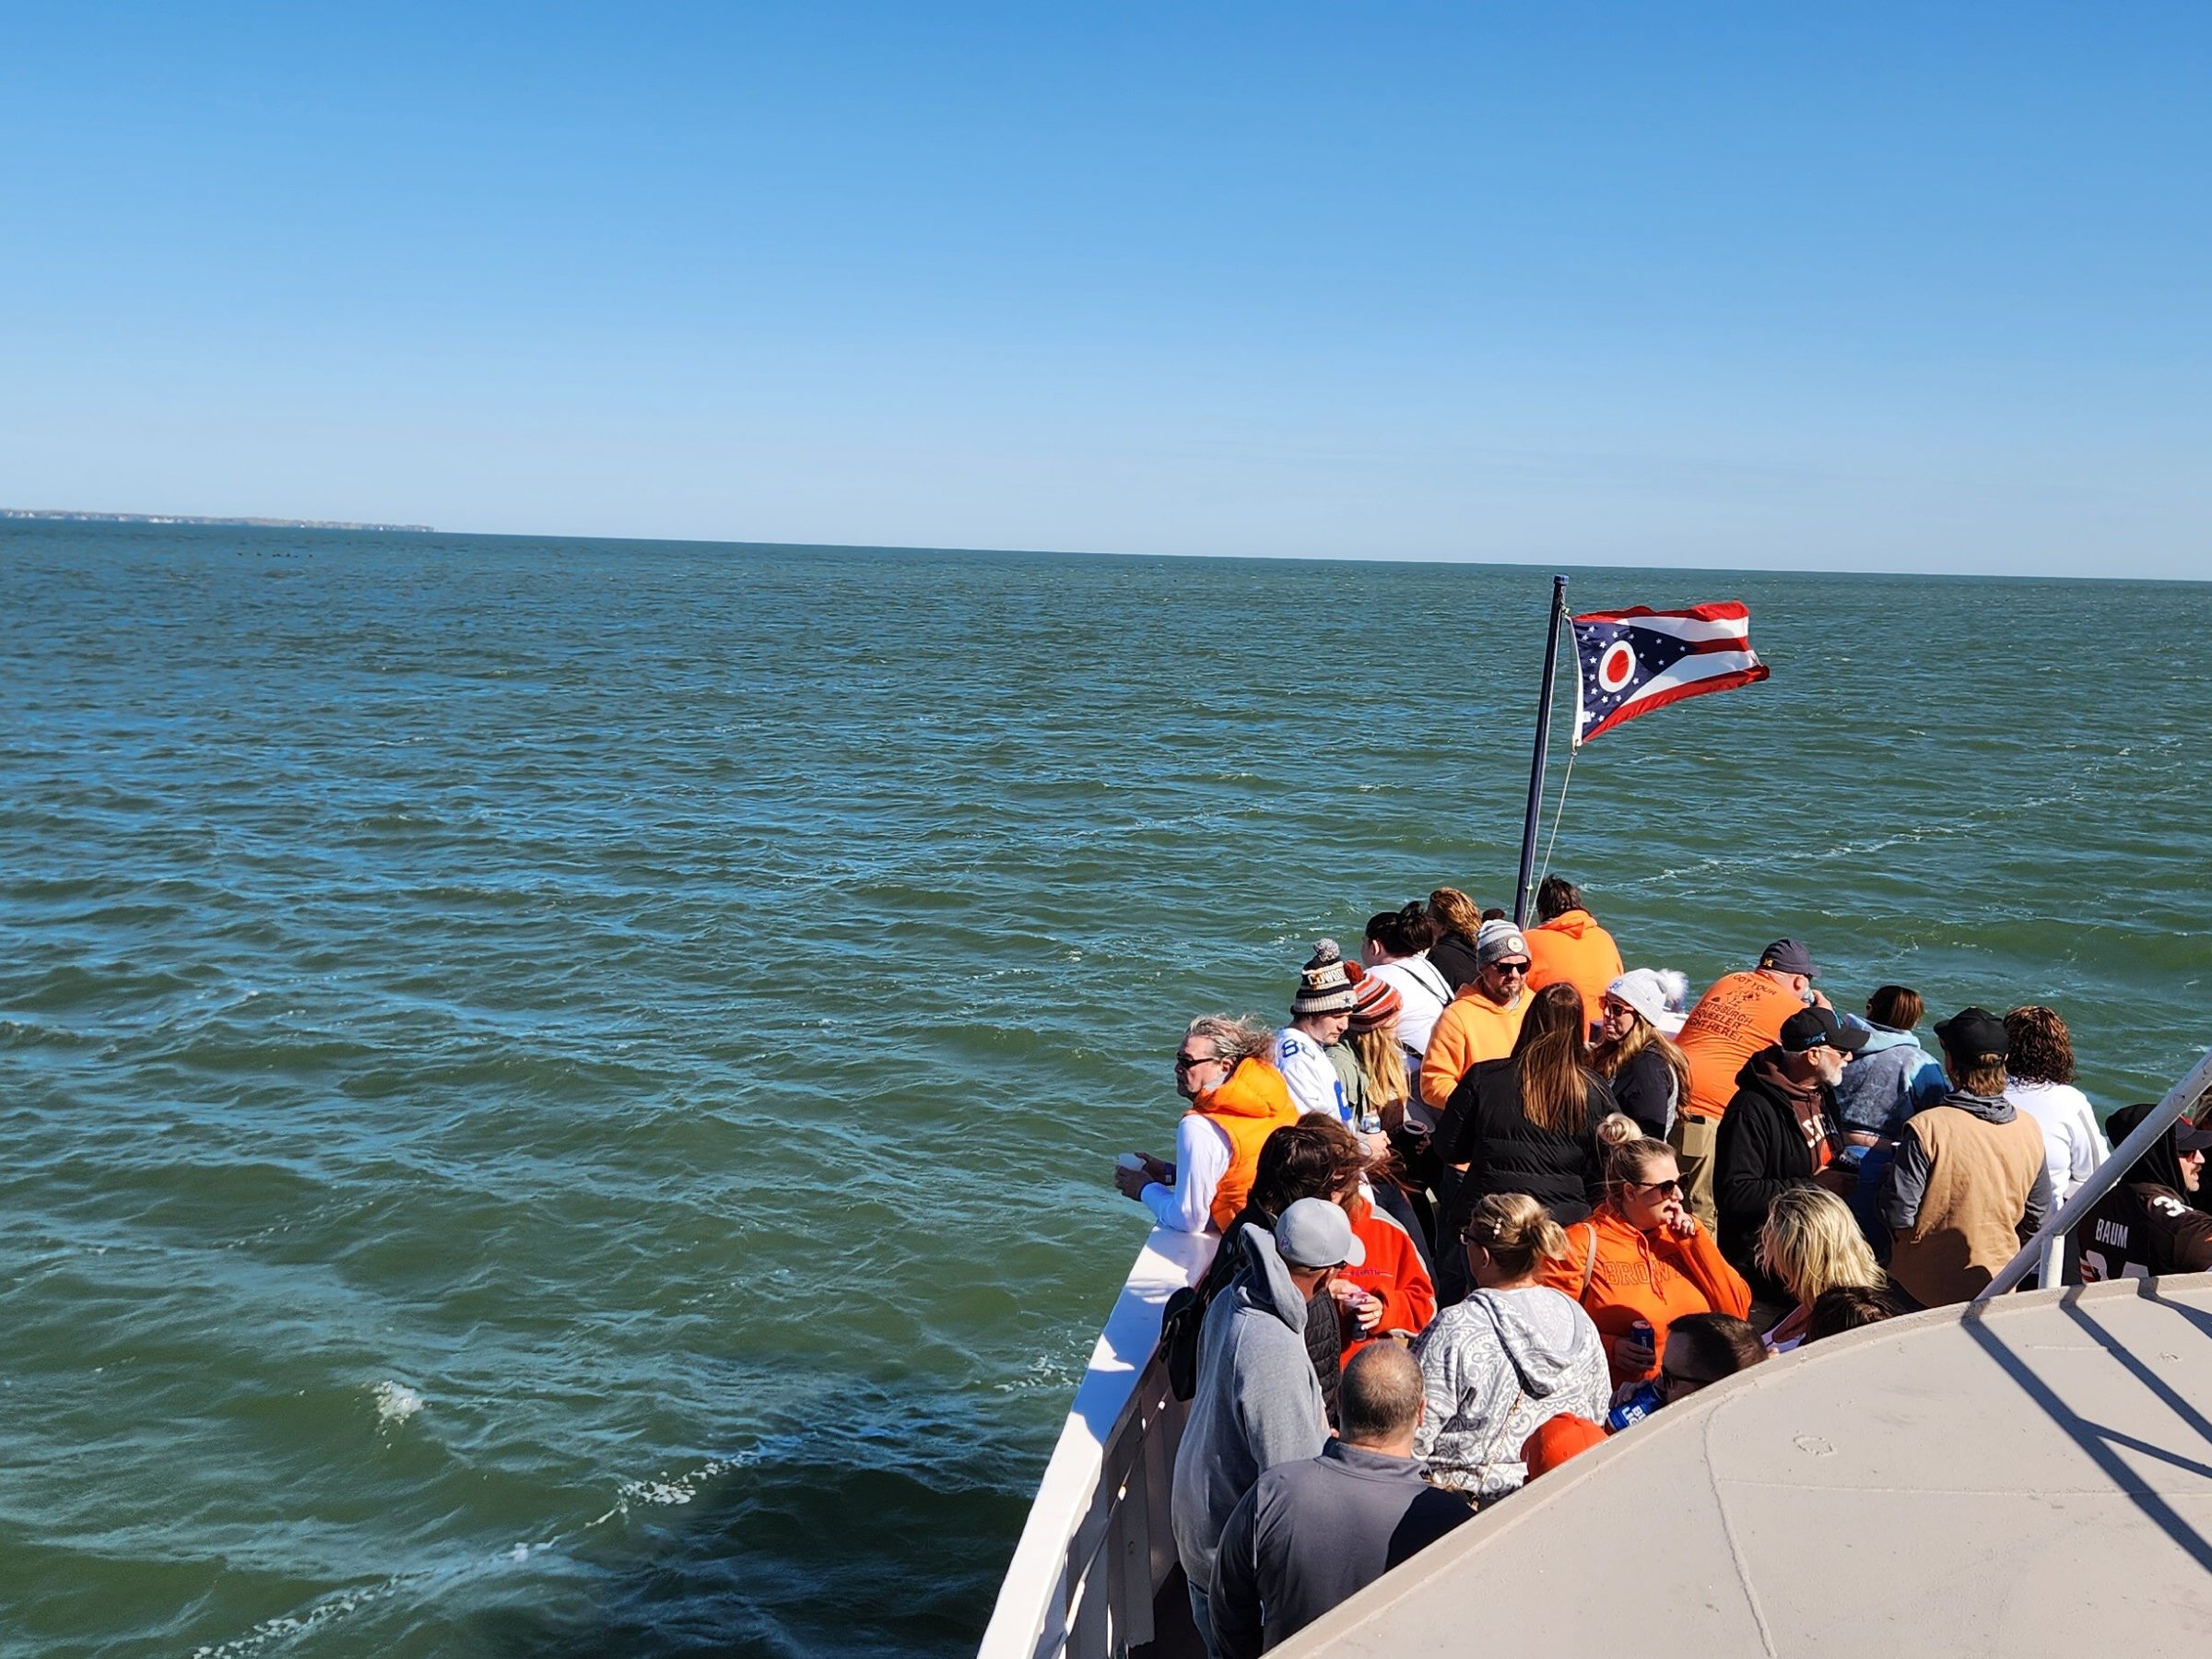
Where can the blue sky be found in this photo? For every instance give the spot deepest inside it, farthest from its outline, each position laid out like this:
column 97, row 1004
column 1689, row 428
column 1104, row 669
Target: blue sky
column 1883, row 286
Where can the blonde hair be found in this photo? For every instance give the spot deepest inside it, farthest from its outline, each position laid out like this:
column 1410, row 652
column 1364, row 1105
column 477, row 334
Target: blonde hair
column 1631, row 1159
column 1514, row 1231
column 1812, row 1244
column 1455, row 911
column 1615, row 1130
column 1382, row 1061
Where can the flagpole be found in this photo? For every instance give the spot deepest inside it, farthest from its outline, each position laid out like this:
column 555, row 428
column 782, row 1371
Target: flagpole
column 1536, row 764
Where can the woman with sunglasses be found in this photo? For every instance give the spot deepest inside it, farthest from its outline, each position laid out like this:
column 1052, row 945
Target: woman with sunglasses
column 1641, row 1261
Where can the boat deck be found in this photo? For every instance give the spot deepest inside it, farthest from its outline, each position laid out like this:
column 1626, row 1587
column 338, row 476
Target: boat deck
column 2032, row 1475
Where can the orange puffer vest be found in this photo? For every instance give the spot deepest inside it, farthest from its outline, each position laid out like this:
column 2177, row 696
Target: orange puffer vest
column 1251, row 1105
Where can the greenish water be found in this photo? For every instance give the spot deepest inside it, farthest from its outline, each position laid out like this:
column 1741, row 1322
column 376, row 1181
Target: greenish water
column 556, row 1098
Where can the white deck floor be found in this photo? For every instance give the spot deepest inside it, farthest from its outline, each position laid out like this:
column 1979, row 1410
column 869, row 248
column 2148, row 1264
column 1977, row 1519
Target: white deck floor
column 2035, row 1477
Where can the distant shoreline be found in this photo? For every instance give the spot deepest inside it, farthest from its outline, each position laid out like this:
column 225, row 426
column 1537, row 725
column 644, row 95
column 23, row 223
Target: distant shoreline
column 55, row 517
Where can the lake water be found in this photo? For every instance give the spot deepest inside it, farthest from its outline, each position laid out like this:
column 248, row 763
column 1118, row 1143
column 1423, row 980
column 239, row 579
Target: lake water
column 557, row 1097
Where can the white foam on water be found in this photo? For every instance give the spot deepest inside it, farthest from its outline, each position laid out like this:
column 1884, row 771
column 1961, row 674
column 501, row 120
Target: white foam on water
column 395, row 1402
column 667, row 1490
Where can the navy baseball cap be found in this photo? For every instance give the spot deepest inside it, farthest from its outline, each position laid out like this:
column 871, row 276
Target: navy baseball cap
column 1813, row 1028
column 1789, row 955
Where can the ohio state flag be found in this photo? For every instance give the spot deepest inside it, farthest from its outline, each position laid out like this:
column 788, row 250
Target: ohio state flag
column 1631, row 662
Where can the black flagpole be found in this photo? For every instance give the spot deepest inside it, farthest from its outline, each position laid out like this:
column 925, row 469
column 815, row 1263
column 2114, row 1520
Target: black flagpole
column 1536, row 764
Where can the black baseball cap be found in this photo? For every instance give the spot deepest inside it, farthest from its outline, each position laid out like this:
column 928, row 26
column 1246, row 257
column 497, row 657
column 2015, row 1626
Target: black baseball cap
column 1810, row 1027
column 2188, row 1137
column 1789, row 955
column 1974, row 1032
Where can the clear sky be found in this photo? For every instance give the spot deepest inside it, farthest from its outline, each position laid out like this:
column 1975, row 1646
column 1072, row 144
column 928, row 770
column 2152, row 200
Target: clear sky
column 1881, row 286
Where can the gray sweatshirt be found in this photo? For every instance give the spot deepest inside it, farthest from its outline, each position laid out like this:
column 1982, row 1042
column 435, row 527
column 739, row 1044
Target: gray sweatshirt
column 1497, row 1368
column 1313, row 1533
column 1257, row 1404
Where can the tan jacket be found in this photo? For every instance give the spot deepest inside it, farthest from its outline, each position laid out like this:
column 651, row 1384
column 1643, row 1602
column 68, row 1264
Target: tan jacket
column 1984, row 1185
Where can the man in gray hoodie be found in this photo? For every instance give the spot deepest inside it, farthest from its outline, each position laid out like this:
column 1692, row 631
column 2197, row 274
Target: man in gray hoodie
column 1313, row 1533
column 1257, row 1404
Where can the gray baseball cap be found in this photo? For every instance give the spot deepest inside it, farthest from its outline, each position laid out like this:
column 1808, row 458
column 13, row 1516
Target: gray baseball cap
column 1315, row 1233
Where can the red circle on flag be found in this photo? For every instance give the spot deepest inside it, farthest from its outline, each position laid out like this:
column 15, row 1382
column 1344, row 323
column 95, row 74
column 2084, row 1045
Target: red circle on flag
column 1618, row 666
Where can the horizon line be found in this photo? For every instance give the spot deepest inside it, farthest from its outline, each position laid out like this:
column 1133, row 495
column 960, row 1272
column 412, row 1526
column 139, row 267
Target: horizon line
column 1569, row 563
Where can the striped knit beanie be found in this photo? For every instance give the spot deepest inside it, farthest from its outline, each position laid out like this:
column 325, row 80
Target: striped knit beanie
column 1324, row 988
column 1375, row 1002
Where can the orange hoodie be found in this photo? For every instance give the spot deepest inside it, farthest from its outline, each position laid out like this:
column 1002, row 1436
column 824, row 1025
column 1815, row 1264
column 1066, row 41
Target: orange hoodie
column 1392, row 1271
column 1252, row 1103
column 1652, row 1276
column 1742, row 1014
column 1572, row 949
column 1471, row 1029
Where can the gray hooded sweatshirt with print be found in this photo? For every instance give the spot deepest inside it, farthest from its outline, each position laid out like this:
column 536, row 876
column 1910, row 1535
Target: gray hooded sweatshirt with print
column 1257, row 1406
column 1496, row 1368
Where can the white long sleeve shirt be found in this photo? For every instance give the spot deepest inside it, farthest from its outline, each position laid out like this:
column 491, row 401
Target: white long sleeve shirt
column 1422, row 995
column 1201, row 1157
column 1305, row 1066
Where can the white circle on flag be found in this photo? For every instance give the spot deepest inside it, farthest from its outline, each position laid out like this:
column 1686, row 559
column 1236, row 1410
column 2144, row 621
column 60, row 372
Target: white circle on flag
column 1618, row 666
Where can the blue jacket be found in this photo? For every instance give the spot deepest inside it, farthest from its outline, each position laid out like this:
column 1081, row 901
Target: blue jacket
column 1886, row 1081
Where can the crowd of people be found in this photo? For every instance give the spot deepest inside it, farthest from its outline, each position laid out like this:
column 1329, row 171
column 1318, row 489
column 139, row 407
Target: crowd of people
column 1490, row 1195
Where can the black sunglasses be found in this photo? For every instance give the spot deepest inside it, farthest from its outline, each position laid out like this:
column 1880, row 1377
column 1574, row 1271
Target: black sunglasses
column 1674, row 1186
column 1185, row 1062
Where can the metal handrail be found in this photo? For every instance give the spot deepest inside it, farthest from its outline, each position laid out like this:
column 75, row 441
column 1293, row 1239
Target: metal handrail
column 2105, row 1177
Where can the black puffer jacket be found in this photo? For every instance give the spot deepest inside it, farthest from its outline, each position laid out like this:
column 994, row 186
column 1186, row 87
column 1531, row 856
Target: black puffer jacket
column 1454, row 958
column 1485, row 1128
column 1764, row 1146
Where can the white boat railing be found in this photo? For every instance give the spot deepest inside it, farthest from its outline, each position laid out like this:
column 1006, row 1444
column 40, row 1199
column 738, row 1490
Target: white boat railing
column 1097, row 1546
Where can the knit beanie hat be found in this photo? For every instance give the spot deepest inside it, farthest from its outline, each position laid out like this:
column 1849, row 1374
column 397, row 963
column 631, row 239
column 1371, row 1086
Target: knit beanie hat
column 1497, row 941
column 1375, row 1002
column 1324, row 988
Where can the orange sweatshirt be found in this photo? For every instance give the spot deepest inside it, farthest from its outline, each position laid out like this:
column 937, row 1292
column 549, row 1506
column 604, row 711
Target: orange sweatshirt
column 1740, row 1014
column 1572, row 949
column 1392, row 1271
column 1472, row 1029
column 1652, row 1276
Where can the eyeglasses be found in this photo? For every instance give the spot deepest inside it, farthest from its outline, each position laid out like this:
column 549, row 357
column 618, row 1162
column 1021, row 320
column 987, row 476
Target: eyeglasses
column 1674, row 1186
column 1185, row 1062
column 1510, row 967
column 1675, row 1382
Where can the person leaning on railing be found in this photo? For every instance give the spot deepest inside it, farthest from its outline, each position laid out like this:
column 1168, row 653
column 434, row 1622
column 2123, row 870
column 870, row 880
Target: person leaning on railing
column 1238, row 1099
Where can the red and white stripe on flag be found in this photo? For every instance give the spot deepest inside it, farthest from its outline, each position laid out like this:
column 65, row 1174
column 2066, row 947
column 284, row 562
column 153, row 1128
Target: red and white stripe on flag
column 1631, row 662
